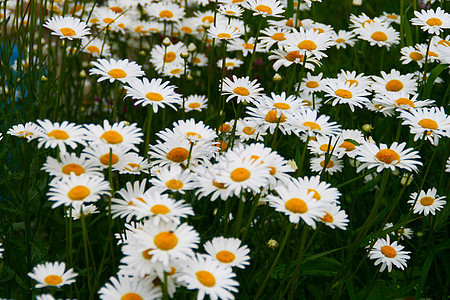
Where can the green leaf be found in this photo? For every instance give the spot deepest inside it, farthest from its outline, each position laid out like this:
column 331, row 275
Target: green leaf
column 353, row 142
column 431, row 78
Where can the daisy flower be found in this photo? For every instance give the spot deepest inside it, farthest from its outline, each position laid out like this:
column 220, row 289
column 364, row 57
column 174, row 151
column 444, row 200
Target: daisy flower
column 223, row 31
column 309, row 42
column 322, row 145
column 247, row 47
column 109, row 20
column 410, row 54
column 343, row 38
column 379, row 33
column 165, row 11
column 358, row 80
column 308, row 120
column 349, row 140
column 61, row 135
column 400, row 101
column 390, row 18
column 195, row 102
column 103, row 156
column 286, row 58
column 201, row 60
column 228, row 251
column 131, row 194
column 427, row 202
column 312, row 83
column 173, row 179
column 52, row 274
column 69, row 163
column 247, row 130
column 271, row 36
column 433, row 22
column 281, row 103
column 67, row 27
column 333, row 165
column 230, row 63
column 188, row 130
column 265, row 8
column 267, row 119
column 388, row 254
column 401, row 232
column 208, row 184
column 432, row 123
column 154, row 92
column 297, row 203
column 76, row 190
column 158, row 207
column 168, row 241
column 209, row 277
column 230, row 10
column 96, row 47
column 242, row 88
column 113, row 70
column 136, row 165
column 321, row 190
column 117, row 134
column 335, row 217
column 394, row 82
column 343, row 92
column 396, row 156
column 29, row 131
column 128, row 287
column 163, row 57
column 75, row 212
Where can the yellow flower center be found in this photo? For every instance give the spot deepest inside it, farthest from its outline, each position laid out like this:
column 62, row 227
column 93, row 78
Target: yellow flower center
column 225, row 128
column 116, row 9
column 225, row 256
column 132, row 167
column 206, row 278
column 327, row 218
column 112, row 137
column 174, row 184
column 53, row 279
column 230, row 12
column 312, row 84
column 282, row 105
column 177, row 154
column 307, row 45
column 293, row 55
column 104, row 159
column 428, row 123
column 405, row 101
column 248, row 46
column 166, row 240
column 388, row 156
column 351, row 82
column 160, row 209
column 154, row 96
column 230, row 64
column 394, row 85
column 312, row 125
column 240, row 174
column 426, row 201
column 93, row 49
column 117, row 73
column 379, row 36
column 330, row 164
column 170, row 57
column 218, row 185
column 248, row 130
column 416, row 55
column 224, row 35
column 78, row 193
column 240, row 90
column 434, row 54
column 194, row 105
column 343, row 93
column 316, row 194
column 444, row 43
column 131, row 296
column 434, row 22
column 392, row 17
column 279, row 36
column 296, row 205
column 166, row 14
column 58, row 134
column 326, row 148
column 24, row 133
column 264, row 9
column 340, row 40
column 67, row 31
column 186, row 29
column 388, row 251
column 272, row 171
column 348, row 146
column 146, row 254
column 319, row 30
column 210, row 19
column 271, row 117
column 69, row 168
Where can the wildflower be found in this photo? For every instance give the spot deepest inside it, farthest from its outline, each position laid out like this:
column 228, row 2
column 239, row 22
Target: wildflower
column 271, row 36
column 321, row 190
column 113, row 70
column 224, row 31
column 67, row 27
column 335, row 217
column 167, row 56
column 378, row 33
column 190, row 131
column 311, row 83
column 96, row 47
column 432, row 21
column 128, row 287
column 61, row 135
column 247, row 130
column 416, row 53
column 400, row 101
column 343, row 38
column 230, row 63
column 174, row 179
column 29, row 131
column 117, row 134
column 308, row 120
column 195, row 102
column 390, row 18
column 344, row 92
column 401, row 232
column 308, row 42
column 69, row 163
column 265, row 8
column 131, row 194
column 103, row 156
column 427, row 202
column 247, row 47
column 230, row 10
column 388, row 254
column 394, row 82
column 52, row 274
column 165, row 11
column 228, row 251
column 333, row 164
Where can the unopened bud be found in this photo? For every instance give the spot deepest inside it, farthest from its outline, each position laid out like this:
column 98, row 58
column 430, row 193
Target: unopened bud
column 367, row 127
column 396, row 172
column 206, row 24
column 184, row 54
column 293, row 165
column 357, row 2
column 43, row 78
column 406, row 179
column 166, row 42
column 277, row 77
column 142, row 52
column 272, row 244
column 83, row 73
column 192, row 47
column 126, row 123
column 189, row 77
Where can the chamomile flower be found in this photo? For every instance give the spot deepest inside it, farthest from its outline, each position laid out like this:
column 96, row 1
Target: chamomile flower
column 325, row 145
column 156, row 93
column 52, row 274
column 103, row 155
column 267, row 119
column 309, row 42
column 242, row 88
column 60, row 135
column 67, row 27
column 131, row 194
column 427, row 202
column 69, row 163
column 265, row 8
column 396, row 156
column 342, row 39
column 173, row 179
column 247, row 47
column 358, row 80
column 322, row 191
column 379, row 33
column 431, row 124
column 388, row 254
column 281, row 103
column 168, row 241
column 109, row 20
column 29, row 131
column 117, row 134
column 433, row 22
column 112, row 70
column 228, row 251
column 344, row 92
column 333, row 164
column 195, row 102
column 335, row 217
column 297, row 203
column 394, row 82
column 76, row 190
column 128, row 287
column 201, row 60
column 209, row 277
column 96, row 47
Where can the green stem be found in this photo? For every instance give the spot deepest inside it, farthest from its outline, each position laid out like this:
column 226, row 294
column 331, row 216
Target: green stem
column 252, row 59
column 252, row 213
column 147, row 133
column 239, row 215
column 86, row 254
column 301, row 253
